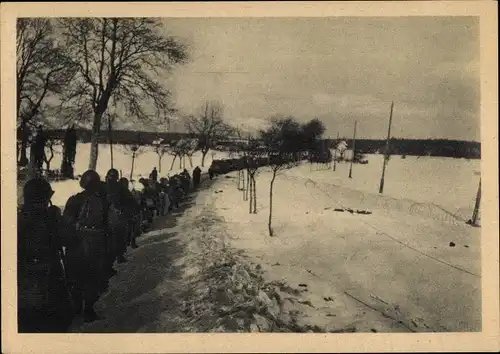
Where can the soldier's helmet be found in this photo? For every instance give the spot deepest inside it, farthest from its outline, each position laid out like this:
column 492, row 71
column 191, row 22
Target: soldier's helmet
column 124, row 181
column 37, row 190
column 112, row 175
column 90, row 180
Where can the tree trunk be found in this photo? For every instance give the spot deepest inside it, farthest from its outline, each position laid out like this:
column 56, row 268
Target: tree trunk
column 245, row 190
column 132, row 169
column 64, row 168
column 250, row 204
column 203, row 155
column 254, row 189
column 111, row 153
column 190, row 161
column 159, row 163
column 110, row 141
column 180, row 162
column 94, row 141
column 269, row 224
column 248, row 185
column 172, row 165
column 239, row 181
column 23, row 159
column 31, row 171
column 48, row 160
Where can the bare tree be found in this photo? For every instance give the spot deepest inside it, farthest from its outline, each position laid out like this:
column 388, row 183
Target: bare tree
column 50, row 147
column 182, row 149
column 280, row 142
column 161, row 149
column 172, row 151
column 253, row 165
column 238, row 150
column 135, row 150
column 123, row 58
column 209, row 127
column 251, row 152
column 41, row 70
column 192, row 148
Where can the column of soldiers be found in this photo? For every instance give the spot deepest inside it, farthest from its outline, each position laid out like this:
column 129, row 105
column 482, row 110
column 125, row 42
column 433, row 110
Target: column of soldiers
column 66, row 258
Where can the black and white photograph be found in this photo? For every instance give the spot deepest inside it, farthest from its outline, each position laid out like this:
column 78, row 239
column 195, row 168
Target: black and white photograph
column 283, row 174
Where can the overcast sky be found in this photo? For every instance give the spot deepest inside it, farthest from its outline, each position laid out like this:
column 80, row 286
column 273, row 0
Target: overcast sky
column 337, row 69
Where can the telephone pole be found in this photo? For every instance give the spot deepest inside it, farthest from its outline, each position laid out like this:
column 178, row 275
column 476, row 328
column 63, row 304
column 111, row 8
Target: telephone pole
column 386, row 153
column 335, row 153
column 475, row 214
column 353, row 148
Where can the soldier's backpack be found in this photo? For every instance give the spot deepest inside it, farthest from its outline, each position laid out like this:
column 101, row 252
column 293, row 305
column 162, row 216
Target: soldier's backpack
column 93, row 213
column 34, row 260
column 41, row 284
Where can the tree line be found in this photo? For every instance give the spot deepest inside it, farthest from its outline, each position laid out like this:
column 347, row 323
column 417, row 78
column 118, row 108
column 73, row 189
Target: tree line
column 410, row 147
column 122, row 137
column 420, row 147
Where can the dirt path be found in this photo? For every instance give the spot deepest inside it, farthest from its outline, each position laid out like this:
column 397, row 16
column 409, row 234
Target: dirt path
column 147, row 293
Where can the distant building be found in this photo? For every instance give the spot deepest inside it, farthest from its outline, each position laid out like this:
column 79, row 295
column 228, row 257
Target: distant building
column 341, row 149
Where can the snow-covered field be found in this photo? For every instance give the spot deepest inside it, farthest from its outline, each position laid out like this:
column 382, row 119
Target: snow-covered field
column 397, row 260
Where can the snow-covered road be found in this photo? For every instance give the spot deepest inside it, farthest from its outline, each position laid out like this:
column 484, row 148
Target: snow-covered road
column 147, row 293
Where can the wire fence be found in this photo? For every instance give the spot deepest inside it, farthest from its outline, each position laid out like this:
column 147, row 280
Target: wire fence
column 349, row 198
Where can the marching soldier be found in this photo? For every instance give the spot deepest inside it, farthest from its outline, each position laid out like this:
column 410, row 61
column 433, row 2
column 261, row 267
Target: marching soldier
column 120, row 204
column 134, row 213
column 196, row 177
column 153, row 176
column 44, row 303
column 87, row 212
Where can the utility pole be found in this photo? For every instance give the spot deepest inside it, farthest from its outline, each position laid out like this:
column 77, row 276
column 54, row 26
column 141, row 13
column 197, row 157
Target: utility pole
column 386, row 153
column 353, row 148
column 475, row 214
column 335, row 153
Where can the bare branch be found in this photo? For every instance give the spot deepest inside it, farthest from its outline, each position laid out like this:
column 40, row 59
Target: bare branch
column 42, row 69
